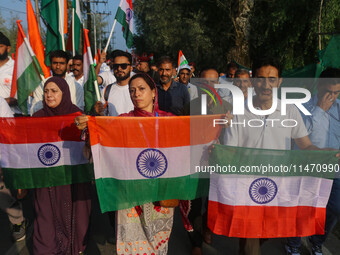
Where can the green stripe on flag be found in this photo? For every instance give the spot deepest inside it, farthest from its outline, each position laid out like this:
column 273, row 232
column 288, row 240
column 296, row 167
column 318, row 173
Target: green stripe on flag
column 27, row 82
column 90, row 96
column 185, row 62
column 265, row 162
column 121, row 194
column 47, row 177
column 121, row 18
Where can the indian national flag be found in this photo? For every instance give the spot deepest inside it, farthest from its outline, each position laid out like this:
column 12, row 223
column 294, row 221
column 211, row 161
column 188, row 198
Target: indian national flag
column 35, row 39
column 277, row 195
column 181, row 59
column 27, row 73
column 76, row 26
column 54, row 12
column 140, row 160
column 124, row 16
column 42, row 152
column 91, row 90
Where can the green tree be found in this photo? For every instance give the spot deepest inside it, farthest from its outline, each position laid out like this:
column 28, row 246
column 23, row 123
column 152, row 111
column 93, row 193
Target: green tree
column 215, row 32
column 10, row 29
column 198, row 28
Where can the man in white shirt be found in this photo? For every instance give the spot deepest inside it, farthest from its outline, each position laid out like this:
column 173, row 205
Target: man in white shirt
column 116, row 97
column 77, row 68
column 184, row 75
column 105, row 78
column 271, row 135
column 6, row 73
column 59, row 60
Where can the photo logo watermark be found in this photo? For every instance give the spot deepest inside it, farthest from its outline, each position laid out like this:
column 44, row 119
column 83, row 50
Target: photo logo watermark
column 238, row 100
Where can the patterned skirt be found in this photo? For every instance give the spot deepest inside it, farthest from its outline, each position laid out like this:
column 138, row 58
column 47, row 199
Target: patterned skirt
column 144, row 230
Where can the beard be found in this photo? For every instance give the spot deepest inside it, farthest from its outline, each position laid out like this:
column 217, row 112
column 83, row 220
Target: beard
column 59, row 75
column 4, row 56
column 165, row 79
column 122, row 78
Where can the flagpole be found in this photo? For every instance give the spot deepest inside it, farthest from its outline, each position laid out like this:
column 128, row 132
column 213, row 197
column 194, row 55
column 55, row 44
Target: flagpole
column 108, row 40
column 61, row 25
column 30, row 50
column 73, row 39
column 96, row 87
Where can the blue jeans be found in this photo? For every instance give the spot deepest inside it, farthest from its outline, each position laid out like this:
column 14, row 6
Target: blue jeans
column 332, row 216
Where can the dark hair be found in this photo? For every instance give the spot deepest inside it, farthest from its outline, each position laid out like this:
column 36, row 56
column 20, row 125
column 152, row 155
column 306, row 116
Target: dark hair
column 146, row 78
column 78, row 57
column 165, row 60
column 332, row 76
column 204, row 69
column 232, row 65
column 4, row 39
column 242, row 71
column 59, row 54
column 120, row 53
column 266, row 61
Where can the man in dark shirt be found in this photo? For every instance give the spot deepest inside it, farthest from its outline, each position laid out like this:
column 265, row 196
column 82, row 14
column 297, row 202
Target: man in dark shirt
column 172, row 96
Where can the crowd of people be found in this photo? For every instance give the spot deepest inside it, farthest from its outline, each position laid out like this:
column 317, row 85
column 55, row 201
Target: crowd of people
column 62, row 213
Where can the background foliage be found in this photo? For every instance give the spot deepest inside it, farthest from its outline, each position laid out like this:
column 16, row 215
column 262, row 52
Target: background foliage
column 215, row 32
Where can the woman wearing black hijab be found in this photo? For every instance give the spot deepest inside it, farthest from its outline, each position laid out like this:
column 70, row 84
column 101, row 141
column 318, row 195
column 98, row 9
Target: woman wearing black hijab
column 62, row 212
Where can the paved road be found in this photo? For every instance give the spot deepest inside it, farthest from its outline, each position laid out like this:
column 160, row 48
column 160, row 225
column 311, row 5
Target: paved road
column 100, row 232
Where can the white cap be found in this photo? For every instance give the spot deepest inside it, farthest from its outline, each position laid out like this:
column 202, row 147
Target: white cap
column 186, row 66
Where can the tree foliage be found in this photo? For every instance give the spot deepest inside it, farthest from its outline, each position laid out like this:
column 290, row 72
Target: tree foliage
column 9, row 28
column 215, row 32
column 167, row 26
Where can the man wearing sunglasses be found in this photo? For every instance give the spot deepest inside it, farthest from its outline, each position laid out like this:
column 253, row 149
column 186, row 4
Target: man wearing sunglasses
column 116, row 97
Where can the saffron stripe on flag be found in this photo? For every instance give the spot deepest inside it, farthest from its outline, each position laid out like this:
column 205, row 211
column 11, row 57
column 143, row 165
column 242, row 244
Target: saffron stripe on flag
column 41, row 130
column 265, row 221
column 142, row 131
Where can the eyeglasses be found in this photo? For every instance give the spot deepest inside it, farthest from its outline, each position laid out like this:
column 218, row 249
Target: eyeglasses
column 123, row 66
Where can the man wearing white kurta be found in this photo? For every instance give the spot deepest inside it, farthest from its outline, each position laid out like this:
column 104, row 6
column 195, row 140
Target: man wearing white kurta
column 6, row 74
column 271, row 135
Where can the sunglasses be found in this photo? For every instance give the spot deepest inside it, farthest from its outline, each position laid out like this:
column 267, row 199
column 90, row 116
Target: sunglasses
column 122, row 66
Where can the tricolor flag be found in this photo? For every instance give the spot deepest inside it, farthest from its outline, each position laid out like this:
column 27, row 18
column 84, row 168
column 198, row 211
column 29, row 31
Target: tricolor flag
column 35, row 39
column 96, row 57
column 91, row 90
column 54, row 13
column 76, row 26
column 140, row 160
column 277, row 195
column 124, row 16
column 151, row 58
column 181, row 59
column 42, row 152
column 27, row 73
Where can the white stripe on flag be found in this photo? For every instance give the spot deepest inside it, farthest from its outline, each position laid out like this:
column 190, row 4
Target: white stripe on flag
column 25, row 59
column 26, row 155
column 291, row 191
column 109, row 161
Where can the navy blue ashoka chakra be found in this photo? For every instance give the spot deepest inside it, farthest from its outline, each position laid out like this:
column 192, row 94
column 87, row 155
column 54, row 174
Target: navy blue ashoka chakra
column 151, row 163
column 49, row 154
column 262, row 190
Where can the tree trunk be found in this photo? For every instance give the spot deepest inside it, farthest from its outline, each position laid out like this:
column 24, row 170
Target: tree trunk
column 240, row 14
